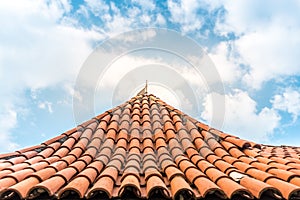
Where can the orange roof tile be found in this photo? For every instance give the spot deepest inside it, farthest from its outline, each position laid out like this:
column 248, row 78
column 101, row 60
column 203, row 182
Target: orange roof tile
column 145, row 148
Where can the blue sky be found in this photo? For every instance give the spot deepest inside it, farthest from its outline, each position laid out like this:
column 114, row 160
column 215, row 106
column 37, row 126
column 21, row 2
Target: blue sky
column 254, row 45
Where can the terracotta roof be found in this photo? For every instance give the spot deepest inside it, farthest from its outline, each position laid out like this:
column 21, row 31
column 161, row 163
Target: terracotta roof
column 145, row 148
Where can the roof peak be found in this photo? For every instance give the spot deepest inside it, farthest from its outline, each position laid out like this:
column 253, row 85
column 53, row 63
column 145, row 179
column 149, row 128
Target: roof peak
column 144, row 90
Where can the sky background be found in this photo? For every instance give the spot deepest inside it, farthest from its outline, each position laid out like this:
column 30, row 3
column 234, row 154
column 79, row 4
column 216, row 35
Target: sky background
column 254, row 45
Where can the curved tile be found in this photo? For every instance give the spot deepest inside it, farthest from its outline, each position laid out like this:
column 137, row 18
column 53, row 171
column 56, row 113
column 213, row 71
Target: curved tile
column 17, row 160
column 224, row 166
column 180, row 189
column 284, row 175
column 259, row 175
column 5, row 165
column 258, row 188
column 131, row 183
column 7, row 182
column 103, row 185
column 295, row 181
column 172, row 171
column 156, row 185
column 63, row 151
column 193, row 173
column 238, row 142
column 78, row 185
column 207, row 187
column 5, row 172
column 49, row 186
column 21, row 188
column 287, row 190
column 34, row 160
column 44, row 173
column 20, row 175
column 231, row 188
column 262, row 167
column 17, row 167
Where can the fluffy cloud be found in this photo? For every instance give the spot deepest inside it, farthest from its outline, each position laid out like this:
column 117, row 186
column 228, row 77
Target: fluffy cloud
column 146, row 5
column 269, row 55
column 115, row 19
column 185, row 14
column 160, row 20
column 288, row 101
column 225, row 62
column 242, row 117
column 267, row 37
column 265, row 34
column 246, row 16
column 8, row 120
column 37, row 50
column 49, row 52
column 46, row 106
column 97, row 7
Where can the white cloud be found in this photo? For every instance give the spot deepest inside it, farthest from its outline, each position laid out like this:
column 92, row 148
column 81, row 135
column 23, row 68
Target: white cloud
column 269, row 55
column 133, row 61
column 46, row 105
column 268, row 37
column 145, row 19
column 116, row 19
column 226, row 63
column 251, row 15
column 135, row 37
column 184, row 13
column 288, row 101
column 49, row 52
column 119, row 71
column 160, row 19
column 72, row 93
column 146, row 5
column 8, row 120
column 131, row 70
column 37, row 51
column 117, row 23
column 97, row 7
column 242, row 117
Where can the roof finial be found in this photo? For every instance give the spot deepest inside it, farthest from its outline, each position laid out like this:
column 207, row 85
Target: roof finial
column 144, row 90
column 146, row 87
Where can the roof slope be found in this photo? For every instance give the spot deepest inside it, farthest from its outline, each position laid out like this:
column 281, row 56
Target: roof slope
column 145, row 148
